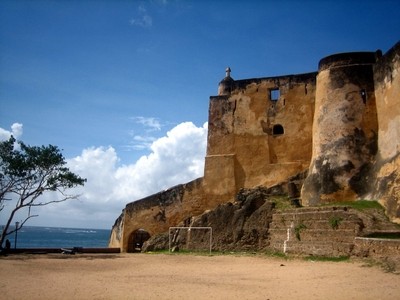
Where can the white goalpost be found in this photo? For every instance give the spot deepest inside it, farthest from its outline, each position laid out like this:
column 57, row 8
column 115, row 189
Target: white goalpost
column 189, row 238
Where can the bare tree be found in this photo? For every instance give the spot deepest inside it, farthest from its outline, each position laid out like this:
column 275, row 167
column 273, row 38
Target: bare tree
column 26, row 173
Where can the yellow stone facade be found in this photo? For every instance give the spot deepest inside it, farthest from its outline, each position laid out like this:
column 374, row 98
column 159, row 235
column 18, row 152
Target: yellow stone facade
column 341, row 124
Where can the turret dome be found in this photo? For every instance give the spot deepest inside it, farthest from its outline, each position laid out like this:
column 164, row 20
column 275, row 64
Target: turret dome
column 226, row 85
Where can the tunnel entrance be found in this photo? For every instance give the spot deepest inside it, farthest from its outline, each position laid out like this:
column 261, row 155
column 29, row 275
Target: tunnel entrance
column 136, row 240
column 278, row 129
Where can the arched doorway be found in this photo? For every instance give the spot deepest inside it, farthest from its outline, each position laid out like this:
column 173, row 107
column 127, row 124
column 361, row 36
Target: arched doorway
column 136, row 240
column 278, row 129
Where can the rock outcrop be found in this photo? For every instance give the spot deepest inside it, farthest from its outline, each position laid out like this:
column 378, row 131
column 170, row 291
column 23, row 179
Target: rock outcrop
column 239, row 225
column 257, row 222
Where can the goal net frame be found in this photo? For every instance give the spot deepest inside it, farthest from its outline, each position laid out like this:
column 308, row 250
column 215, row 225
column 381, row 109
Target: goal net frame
column 189, row 229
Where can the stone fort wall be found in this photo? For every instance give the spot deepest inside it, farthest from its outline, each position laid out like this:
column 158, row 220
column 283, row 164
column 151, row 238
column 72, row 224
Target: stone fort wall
column 341, row 124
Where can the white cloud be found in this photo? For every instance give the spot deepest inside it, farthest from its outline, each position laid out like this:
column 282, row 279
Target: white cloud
column 150, row 124
column 16, row 131
column 144, row 140
column 175, row 158
column 144, row 21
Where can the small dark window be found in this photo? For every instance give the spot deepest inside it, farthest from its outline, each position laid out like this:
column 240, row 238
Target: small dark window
column 277, row 129
column 274, row 94
column 363, row 95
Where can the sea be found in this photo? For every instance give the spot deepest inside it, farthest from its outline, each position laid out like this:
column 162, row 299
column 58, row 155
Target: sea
column 59, row 237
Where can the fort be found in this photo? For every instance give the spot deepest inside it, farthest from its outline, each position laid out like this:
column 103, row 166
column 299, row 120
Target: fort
column 318, row 138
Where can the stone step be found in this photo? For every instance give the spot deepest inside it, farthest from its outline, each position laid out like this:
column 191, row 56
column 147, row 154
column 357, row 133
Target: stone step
column 312, row 210
column 312, row 215
column 344, row 235
column 318, row 224
column 314, row 248
column 283, row 231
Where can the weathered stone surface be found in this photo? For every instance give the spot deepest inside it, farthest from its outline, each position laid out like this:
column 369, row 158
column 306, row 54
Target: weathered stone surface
column 387, row 165
column 345, row 129
column 242, row 225
column 355, row 132
column 252, row 223
column 339, row 125
column 156, row 213
column 326, row 231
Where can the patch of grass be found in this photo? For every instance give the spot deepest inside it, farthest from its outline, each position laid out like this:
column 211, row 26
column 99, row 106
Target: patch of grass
column 386, row 264
column 164, row 251
column 327, row 258
column 268, row 253
column 335, row 222
column 281, row 202
column 298, row 229
column 183, row 252
column 205, row 252
column 359, row 205
column 271, row 253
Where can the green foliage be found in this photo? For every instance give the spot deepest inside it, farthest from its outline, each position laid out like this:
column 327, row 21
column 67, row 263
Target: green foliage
column 327, row 258
column 281, row 202
column 359, row 205
column 278, row 254
column 387, row 264
column 335, row 221
column 297, row 230
column 26, row 172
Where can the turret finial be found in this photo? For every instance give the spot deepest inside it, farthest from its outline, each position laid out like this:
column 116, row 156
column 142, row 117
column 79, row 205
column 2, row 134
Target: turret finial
column 228, row 72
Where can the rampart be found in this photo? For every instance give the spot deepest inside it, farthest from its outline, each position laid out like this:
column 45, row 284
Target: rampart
column 338, row 125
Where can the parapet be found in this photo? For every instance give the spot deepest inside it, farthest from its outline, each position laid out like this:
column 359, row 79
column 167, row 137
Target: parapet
column 347, row 59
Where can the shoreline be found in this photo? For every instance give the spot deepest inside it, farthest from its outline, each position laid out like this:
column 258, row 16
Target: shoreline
column 64, row 250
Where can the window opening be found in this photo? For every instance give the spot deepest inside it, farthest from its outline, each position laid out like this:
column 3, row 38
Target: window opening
column 274, row 94
column 363, row 95
column 278, row 129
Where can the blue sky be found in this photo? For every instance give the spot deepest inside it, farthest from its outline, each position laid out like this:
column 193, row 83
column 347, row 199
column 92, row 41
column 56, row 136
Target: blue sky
column 123, row 86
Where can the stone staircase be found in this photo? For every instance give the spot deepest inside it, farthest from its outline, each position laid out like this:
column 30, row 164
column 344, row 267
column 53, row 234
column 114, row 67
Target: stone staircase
column 325, row 231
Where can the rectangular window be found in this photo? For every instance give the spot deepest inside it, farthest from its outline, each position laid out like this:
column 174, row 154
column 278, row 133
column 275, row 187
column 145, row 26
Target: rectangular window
column 274, row 94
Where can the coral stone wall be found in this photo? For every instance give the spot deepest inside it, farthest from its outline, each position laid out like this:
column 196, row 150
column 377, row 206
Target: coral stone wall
column 244, row 147
column 156, row 213
column 387, row 91
column 345, row 130
column 341, row 124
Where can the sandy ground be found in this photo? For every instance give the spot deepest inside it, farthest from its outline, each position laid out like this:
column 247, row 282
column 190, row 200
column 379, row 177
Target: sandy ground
column 163, row 276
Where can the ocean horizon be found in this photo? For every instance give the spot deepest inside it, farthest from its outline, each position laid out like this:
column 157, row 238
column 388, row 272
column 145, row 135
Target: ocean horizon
column 59, row 237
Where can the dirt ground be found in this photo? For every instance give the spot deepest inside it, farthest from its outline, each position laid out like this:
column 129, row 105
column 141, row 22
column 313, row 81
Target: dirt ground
column 164, row 276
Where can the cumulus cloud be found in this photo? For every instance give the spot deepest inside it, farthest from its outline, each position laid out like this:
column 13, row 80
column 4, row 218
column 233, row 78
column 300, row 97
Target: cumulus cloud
column 16, row 131
column 176, row 158
column 141, row 142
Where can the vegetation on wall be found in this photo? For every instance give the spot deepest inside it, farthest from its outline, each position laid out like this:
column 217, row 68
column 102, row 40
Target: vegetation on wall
column 297, row 230
column 335, row 221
